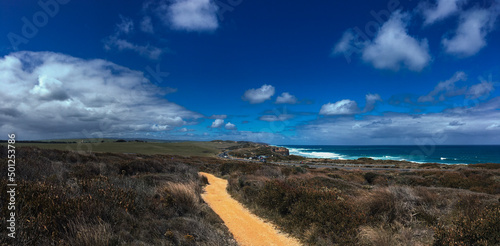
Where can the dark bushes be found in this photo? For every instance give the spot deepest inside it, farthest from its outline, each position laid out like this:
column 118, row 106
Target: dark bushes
column 473, row 224
column 66, row 198
column 315, row 213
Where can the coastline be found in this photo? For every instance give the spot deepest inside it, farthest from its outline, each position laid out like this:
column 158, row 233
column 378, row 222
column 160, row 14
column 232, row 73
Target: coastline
column 447, row 155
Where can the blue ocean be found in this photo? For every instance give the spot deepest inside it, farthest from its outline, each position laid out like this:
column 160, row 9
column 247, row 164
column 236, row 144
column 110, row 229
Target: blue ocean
column 449, row 154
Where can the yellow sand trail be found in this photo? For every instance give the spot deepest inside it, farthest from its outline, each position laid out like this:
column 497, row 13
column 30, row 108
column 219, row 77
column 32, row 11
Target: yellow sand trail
column 247, row 228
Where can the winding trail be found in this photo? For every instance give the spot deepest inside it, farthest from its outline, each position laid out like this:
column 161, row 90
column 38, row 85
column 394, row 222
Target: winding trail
column 247, row 228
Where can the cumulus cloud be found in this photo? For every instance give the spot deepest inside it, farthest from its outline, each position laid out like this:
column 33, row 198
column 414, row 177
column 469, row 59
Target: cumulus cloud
column 50, row 95
column 190, row 15
column 230, row 126
column 371, row 100
column 343, row 107
column 285, row 97
column 49, row 89
column 470, row 36
column 441, row 10
column 217, row 123
column 259, row 95
column 392, row 47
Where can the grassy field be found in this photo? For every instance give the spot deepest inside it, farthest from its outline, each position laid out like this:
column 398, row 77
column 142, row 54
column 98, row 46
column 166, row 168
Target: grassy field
column 148, row 148
column 93, row 198
column 67, row 198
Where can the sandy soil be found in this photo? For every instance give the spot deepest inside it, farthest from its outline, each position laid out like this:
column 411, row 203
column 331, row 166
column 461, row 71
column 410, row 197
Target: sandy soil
column 247, row 228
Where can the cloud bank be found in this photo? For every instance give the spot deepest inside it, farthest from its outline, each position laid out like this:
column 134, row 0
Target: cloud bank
column 50, row 95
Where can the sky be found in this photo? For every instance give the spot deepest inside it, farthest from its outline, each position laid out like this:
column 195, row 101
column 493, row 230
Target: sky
column 381, row 72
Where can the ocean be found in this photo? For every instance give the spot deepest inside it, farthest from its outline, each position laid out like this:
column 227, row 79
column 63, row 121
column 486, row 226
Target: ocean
column 449, row 154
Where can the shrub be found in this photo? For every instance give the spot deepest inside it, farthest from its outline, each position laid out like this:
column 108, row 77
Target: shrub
column 72, row 199
column 185, row 197
column 318, row 214
column 476, row 228
column 369, row 176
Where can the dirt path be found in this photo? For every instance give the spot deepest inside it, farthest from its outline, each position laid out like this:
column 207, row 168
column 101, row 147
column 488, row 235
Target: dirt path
column 247, row 228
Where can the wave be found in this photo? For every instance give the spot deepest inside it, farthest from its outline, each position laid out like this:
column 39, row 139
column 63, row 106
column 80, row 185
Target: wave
column 314, row 154
column 326, row 155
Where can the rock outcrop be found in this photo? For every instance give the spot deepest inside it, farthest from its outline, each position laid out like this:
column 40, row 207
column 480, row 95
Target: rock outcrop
column 280, row 150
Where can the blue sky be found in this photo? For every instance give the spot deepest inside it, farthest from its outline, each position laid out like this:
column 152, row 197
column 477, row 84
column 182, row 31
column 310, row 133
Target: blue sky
column 282, row 72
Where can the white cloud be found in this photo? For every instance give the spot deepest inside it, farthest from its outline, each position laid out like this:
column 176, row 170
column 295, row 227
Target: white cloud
column 470, row 36
column 285, row 97
column 482, row 89
column 345, row 44
column 393, row 47
column 148, row 51
column 445, row 88
column 230, row 126
column 160, row 128
column 217, row 123
column 343, row 107
column 472, row 127
column 259, row 95
column 118, row 40
column 371, row 99
column 147, row 25
column 49, row 89
column 272, row 118
column 440, row 11
column 50, row 95
column 191, row 15
column 125, row 26
column 495, row 126
column 184, row 129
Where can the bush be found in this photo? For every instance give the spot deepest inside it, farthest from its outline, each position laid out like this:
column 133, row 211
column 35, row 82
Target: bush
column 479, row 227
column 318, row 214
column 369, row 176
column 109, row 199
column 184, row 197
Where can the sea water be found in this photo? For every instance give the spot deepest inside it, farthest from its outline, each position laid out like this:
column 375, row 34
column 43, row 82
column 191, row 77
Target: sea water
column 446, row 154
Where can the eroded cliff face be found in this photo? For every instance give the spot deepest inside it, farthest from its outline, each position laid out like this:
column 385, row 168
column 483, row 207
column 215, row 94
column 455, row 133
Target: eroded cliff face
column 280, row 150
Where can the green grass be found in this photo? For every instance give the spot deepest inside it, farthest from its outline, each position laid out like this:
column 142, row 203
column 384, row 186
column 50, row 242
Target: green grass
column 149, row 148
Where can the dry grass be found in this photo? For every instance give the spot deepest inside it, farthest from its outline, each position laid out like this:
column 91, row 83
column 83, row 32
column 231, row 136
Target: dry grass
column 184, row 196
column 328, row 207
column 109, row 199
column 90, row 234
column 151, row 200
